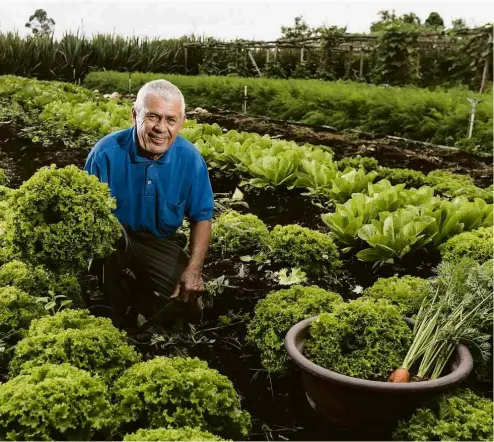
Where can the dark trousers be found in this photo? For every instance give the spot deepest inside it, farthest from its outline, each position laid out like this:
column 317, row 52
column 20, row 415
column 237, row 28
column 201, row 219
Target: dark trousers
column 141, row 275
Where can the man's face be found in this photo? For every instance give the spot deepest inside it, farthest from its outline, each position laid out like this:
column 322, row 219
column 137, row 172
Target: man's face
column 158, row 128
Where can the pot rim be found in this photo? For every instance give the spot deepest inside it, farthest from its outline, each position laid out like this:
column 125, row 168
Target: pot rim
column 461, row 372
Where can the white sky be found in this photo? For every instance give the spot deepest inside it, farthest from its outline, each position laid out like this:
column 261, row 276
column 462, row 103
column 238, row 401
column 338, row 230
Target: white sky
column 252, row 19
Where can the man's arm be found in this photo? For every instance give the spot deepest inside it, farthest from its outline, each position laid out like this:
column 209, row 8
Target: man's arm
column 200, row 235
column 191, row 282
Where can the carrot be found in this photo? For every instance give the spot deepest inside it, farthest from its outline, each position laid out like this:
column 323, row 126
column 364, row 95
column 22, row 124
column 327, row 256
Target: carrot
column 400, row 375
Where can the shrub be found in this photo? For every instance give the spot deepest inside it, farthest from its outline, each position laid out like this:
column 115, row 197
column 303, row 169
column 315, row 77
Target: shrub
column 364, row 338
column 95, row 345
column 406, row 293
column 368, row 163
column 178, row 392
column 277, row 313
column 17, row 310
column 39, row 281
column 237, row 233
column 54, row 402
column 462, row 415
column 175, row 434
column 409, row 177
column 310, row 250
column 62, row 218
column 476, row 244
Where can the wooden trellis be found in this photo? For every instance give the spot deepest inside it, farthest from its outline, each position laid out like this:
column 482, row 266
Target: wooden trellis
column 349, row 43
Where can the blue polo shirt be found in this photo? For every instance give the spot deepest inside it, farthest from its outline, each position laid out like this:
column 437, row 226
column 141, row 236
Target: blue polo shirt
column 153, row 195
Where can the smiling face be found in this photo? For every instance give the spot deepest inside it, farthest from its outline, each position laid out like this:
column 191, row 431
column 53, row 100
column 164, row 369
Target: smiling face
column 158, row 124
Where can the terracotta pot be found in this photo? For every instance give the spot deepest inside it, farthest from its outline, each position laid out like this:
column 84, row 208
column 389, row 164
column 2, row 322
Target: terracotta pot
column 353, row 402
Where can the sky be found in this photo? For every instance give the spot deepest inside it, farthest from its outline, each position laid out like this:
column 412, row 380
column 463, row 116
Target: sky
column 253, row 19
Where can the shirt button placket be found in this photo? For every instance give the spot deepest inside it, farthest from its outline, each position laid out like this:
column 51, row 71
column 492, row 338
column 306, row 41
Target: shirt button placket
column 149, row 191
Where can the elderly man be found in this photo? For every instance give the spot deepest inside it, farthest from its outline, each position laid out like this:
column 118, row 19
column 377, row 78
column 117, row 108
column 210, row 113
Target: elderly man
column 157, row 178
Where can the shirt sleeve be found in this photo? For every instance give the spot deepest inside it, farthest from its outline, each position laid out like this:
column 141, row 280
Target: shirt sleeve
column 200, row 201
column 96, row 165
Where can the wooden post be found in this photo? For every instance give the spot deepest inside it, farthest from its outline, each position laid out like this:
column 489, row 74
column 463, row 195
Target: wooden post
column 348, row 62
column 486, row 65
column 252, row 59
column 267, row 56
column 236, row 57
column 185, row 55
column 302, row 51
column 361, row 69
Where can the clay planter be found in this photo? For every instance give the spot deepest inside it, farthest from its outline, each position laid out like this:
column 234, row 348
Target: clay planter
column 352, row 402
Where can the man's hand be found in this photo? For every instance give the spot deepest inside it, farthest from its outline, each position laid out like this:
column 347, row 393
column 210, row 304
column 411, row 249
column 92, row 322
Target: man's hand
column 190, row 286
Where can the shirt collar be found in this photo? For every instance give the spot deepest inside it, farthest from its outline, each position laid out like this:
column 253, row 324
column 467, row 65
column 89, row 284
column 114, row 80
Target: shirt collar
column 136, row 158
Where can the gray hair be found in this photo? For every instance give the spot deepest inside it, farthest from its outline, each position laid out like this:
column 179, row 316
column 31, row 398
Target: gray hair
column 160, row 88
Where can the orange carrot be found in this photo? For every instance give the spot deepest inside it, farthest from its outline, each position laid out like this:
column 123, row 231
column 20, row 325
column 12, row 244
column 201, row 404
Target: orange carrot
column 400, row 375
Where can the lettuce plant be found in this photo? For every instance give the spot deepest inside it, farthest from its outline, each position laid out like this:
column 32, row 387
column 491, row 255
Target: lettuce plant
column 477, row 244
column 175, row 434
column 395, row 234
column 17, row 310
column 55, row 402
column 356, row 162
column 38, row 281
column 94, row 345
column 277, row 313
column 62, row 218
column 365, row 338
column 178, row 392
column 236, row 233
column 462, row 415
column 405, row 293
column 295, row 246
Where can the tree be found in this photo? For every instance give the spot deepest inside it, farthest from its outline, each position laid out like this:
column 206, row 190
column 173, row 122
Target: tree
column 458, row 24
column 40, row 23
column 410, row 18
column 300, row 30
column 434, row 20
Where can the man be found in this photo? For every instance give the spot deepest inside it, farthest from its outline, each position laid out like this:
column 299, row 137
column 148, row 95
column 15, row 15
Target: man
column 157, row 178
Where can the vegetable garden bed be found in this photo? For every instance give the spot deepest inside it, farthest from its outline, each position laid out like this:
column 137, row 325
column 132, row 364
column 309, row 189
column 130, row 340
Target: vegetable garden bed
column 238, row 280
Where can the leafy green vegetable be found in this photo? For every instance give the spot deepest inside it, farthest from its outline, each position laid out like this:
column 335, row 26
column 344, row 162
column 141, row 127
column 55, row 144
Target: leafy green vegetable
column 277, row 313
column 457, row 416
column 395, row 235
column 477, row 244
column 178, row 392
column 62, row 218
column 235, row 233
column 348, row 182
column 38, row 281
column 296, row 276
column 55, row 402
column 295, row 246
column 17, row 310
column 409, row 177
column 94, row 345
column 367, row 163
column 364, row 338
column 451, row 185
column 405, row 293
column 175, row 434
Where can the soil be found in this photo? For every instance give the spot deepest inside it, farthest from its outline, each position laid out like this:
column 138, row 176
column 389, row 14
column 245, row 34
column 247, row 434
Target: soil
column 389, row 151
column 278, row 405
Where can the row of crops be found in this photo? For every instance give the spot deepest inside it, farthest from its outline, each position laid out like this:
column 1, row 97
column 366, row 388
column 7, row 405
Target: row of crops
column 96, row 385
column 439, row 116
